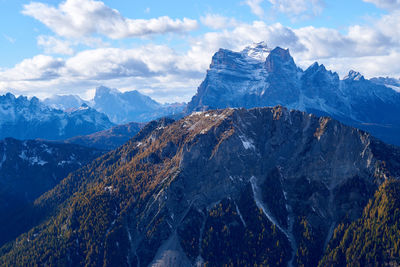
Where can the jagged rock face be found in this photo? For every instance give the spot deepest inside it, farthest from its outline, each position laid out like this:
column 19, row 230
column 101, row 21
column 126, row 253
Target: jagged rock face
column 240, row 80
column 234, row 186
column 292, row 166
column 236, row 79
column 22, row 118
column 27, row 170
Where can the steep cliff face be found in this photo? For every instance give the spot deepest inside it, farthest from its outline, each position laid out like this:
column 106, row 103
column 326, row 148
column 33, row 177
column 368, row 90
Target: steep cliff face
column 233, row 186
column 261, row 77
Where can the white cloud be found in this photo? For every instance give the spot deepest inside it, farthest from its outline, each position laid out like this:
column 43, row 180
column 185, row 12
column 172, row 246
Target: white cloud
column 152, row 68
column 40, row 67
column 82, row 18
column 169, row 75
column 298, row 8
column 202, row 48
column 53, row 45
column 255, row 6
column 218, row 22
column 386, row 4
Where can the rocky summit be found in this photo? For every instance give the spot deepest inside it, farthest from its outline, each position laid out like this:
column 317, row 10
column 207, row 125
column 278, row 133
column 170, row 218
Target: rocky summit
column 265, row 186
column 260, row 77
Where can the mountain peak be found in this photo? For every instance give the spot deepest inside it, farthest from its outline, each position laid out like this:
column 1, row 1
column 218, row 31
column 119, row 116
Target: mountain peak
column 258, row 51
column 283, row 54
column 10, row 95
column 102, row 90
column 354, row 75
column 279, row 59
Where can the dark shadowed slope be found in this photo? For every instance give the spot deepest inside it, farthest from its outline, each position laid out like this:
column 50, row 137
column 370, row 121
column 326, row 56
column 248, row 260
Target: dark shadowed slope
column 27, row 170
column 108, row 139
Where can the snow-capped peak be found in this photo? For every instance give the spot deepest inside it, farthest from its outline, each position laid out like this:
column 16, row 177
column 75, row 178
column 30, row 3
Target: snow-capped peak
column 354, row 75
column 258, row 51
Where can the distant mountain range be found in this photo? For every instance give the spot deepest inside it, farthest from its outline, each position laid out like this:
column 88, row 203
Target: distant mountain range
column 65, row 102
column 131, row 106
column 222, row 186
column 68, row 116
column 255, row 77
column 259, row 76
column 237, row 187
column 24, row 118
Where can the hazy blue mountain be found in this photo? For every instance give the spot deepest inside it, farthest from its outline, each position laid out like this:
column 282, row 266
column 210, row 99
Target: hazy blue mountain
column 24, row 118
column 65, row 102
column 120, row 107
column 131, row 106
column 388, row 82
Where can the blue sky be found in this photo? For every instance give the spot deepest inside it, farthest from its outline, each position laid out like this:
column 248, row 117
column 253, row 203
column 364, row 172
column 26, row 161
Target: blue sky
column 163, row 48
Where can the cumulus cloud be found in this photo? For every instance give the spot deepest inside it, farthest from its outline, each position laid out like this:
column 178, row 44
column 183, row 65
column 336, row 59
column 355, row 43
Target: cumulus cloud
column 255, row 6
column 298, row 8
column 80, row 18
column 40, row 67
column 151, row 68
column 170, row 75
column 386, row 4
column 52, row 45
column 218, row 22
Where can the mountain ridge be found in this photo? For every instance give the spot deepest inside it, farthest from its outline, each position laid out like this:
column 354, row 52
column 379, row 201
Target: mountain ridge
column 234, row 80
column 120, row 107
column 180, row 191
column 24, row 118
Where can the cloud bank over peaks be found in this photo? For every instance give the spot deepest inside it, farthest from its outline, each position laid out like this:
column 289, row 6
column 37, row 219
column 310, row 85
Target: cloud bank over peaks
column 81, row 18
